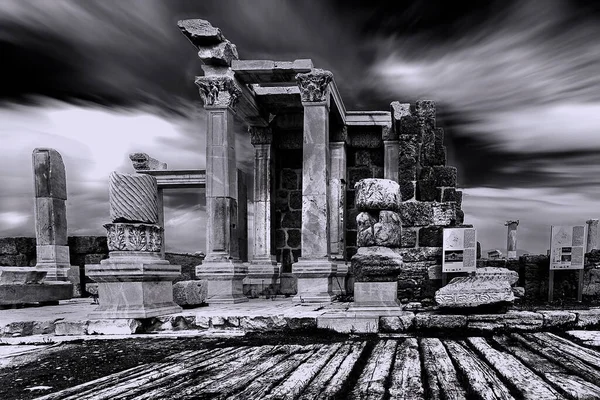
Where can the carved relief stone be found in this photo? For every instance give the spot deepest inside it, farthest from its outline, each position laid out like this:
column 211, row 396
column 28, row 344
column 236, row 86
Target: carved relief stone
column 134, row 237
column 260, row 135
column 475, row 291
column 143, row 162
column 218, row 91
column 314, row 85
column 133, row 198
column 388, row 231
column 365, row 223
column 377, row 194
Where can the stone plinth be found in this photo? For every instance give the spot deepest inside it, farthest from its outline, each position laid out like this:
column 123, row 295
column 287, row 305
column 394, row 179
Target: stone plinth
column 225, row 281
column 25, row 285
column 475, row 291
column 134, row 284
column 315, row 281
column 375, row 294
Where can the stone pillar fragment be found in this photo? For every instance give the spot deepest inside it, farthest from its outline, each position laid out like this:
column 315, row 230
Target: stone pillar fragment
column 592, row 235
column 263, row 273
column 51, row 214
column 222, row 266
column 511, row 239
column 314, row 270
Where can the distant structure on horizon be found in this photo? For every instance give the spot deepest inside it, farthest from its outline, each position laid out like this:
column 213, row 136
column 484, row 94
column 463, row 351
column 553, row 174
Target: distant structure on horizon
column 494, row 254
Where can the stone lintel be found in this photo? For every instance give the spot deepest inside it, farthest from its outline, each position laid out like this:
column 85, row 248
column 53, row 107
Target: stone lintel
column 267, row 71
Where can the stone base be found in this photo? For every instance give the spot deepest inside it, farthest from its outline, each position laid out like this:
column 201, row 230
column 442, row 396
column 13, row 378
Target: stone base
column 314, row 281
column 48, row 292
column 339, row 280
column 262, row 279
column 55, row 260
column 376, row 294
column 134, row 284
column 225, row 281
column 288, row 284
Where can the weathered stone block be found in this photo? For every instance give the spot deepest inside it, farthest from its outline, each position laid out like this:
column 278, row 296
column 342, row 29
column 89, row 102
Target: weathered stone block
column 426, row 190
column 431, row 236
column 376, row 264
column 446, row 194
column 292, row 219
column 425, row 110
column 409, row 238
column 475, row 291
column 296, row 200
column 289, row 179
column 556, row 318
column 294, row 238
column 444, row 214
column 200, row 32
column 190, row 293
column 365, row 139
column 219, row 54
column 445, row 176
column 113, row 327
column 432, row 321
column 18, row 260
column 416, row 213
column 281, row 200
column 407, row 170
column 388, row 231
column 421, row 254
column 397, row 324
column 51, row 221
column 458, row 198
column 377, row 194
column 407, row 190
column 511, row 277
column 365, row 235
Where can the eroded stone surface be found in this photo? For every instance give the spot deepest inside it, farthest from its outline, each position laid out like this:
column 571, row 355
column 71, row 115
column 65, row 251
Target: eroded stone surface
column 501, row 273
column 388, row 230
column 190, row 293
column 113, row 326
column 428, row 320
column 376, row 264
column 397, row 323
column 474, row 291
column 365, row 235
column 377, row 194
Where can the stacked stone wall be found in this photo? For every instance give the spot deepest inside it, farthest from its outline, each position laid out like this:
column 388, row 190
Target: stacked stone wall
column 365, row 159
column 288, row 207
column 430, row 201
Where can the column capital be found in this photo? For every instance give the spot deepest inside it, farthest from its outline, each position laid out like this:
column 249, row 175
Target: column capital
column 592, row 221
column 388, row 133
column 218, row 91
column 260, row 135
column 511, row 222
column 314, row 85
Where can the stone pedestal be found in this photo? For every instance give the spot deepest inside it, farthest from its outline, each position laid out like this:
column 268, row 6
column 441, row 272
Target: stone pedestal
column 25, row 285
column 134, row 284
column 315, row 281
column 375, row 294
column 225, row 281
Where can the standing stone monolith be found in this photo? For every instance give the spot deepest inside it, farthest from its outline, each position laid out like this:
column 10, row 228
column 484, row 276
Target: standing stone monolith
column 511, row 239
column 592, row 235
column 51, row 214
column 135, row 281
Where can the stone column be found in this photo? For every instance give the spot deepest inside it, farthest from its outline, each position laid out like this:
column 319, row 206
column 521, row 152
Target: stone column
column 391, row 147
column 592, row 235
column 314, row 270
column 222, row 267
column 337, row 208
column 263, row 273
column 51, row 214
column 511, row 239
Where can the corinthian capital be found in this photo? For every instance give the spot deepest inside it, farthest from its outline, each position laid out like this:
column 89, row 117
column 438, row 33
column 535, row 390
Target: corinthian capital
column 218, row 91
column 260, row 135
column 314, row 85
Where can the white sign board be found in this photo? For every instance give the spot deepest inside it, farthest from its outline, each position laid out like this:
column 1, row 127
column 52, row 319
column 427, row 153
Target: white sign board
column 567, row 247
column 460, row 250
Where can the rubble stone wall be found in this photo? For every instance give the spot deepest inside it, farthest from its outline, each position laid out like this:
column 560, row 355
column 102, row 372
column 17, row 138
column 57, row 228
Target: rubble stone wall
column 365, row 159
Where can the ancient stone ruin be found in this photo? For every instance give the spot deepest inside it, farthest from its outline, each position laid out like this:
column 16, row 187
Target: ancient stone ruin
column 135, row 281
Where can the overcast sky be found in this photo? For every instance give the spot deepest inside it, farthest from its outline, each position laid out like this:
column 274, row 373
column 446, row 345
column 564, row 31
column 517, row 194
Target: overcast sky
column 517, row 86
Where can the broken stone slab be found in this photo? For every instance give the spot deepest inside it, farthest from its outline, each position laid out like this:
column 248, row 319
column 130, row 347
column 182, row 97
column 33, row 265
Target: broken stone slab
column 427, row 320
column 523, row 321
column 397, row 323
column 190, row 293
column 21, row 275
column 49, row 173
column 133, row 198
column 588, row 318
column 387, row 231
column 47, row 292
column 143, row 162
column 200, row 32
column 501, row 273
column 113, row 327
column 376, row 264
column 557, row 318
column 475, row 291
column 220, row 54
column 377, row 194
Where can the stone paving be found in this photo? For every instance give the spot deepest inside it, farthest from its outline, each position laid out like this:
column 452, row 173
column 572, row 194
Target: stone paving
column 514, row 366
column 260, row 315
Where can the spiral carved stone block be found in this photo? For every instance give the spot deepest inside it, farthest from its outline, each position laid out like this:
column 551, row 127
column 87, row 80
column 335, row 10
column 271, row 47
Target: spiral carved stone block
column 134, row 237
column 133, row 198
